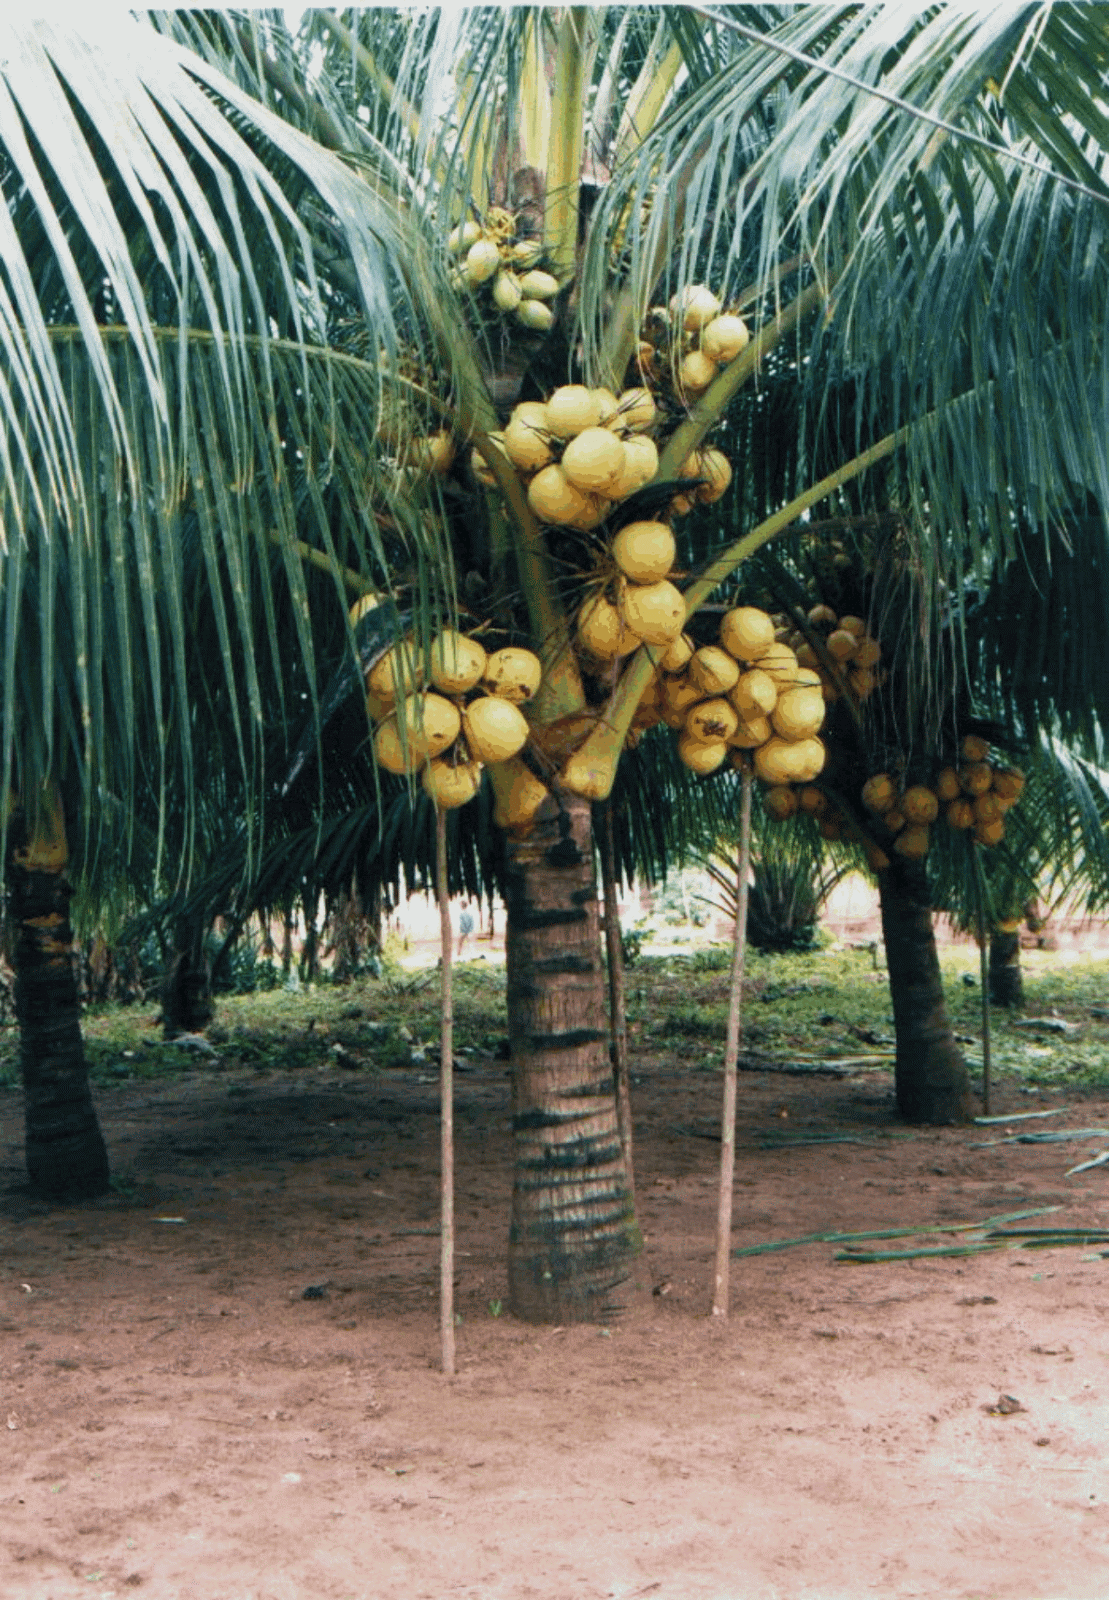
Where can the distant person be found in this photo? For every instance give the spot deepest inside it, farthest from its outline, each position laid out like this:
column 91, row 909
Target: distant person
column 465, row 928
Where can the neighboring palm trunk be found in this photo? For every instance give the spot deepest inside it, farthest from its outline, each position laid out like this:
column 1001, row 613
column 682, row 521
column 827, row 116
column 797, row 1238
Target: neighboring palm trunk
column 186, row 988
column 573, row 1224
column 1006, row 983
column 931, row 1075
column 66, row 1158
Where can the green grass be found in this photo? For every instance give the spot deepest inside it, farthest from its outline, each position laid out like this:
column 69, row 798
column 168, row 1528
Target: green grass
column 829, row 1003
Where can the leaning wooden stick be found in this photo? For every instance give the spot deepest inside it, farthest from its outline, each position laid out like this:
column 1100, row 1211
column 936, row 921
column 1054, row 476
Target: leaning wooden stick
column 446, row 1103
column 731, row 1058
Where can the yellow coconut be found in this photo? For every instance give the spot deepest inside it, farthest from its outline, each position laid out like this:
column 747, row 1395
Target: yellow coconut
column 609, row 404
column 536, row 285
column 462, row 237
column 695, row 306
column 912, row 842
column 378, row 706
column 820, row 615
column 751, row 732
column 755, row 693
column 990, row 833
column 811, row 756
column 856, row 626
column 572, row 409
column 713, row 670
column 780, row 663
column 455, row 662
column 451, row 785
column 480, row 469
column 654, row 611
column 362, row 606
column 554, row 498
column 700, row 755
column 390, row 753
column 716, row 470
column 959, row 814
column 526, row 252
column 812, row 800
column 920, row 805
column 799, row 711
column 431, row 723
column 724, row 338
column 783, row 761
column 397, row 671
column 483, row 259
column 976, row 777
column 602, row 631
column 519, row 794
column 841, row 645
column 593, row 460
column 513, row 674
column 678, row 694
column 527, row 443
column 1009, row 783
column 988, row 807
column 869, row 652
column 974, row 749
column 534, row 314
column 635, row 410
column 879, row 793
column 640, row 465
column 507, row 293
column 678, row 655
column 644, row 551
column 746, row 633
column 948, row 786
column 696, row 372
column 711, row 719
column 780, row 801
column 494, row 729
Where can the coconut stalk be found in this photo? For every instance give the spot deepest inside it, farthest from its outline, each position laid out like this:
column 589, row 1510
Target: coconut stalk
column 618, row 1016
column 731, row 1058
column 446, row 1103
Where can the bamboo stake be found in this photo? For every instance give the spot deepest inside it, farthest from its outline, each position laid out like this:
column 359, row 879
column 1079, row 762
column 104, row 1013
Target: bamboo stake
column 984, row 979
column 618, row 1016
column 446, row 1102
column 731, row 1058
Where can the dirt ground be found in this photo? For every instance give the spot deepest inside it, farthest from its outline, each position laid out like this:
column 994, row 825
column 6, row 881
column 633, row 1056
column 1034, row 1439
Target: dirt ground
column 179, row 1420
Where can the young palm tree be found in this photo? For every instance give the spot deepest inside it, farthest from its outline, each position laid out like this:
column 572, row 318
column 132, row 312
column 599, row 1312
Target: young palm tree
column 233, row 298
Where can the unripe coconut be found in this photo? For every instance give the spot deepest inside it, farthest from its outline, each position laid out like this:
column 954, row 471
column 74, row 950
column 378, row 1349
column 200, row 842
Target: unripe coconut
column 635, row 410
column 536, row 285
column 494, row 729
column 841, row 645
column 640, row 465
column 554, row 498
column 713, row 670
column 1009, row 784
column 853, row 625
column 990, row 833
column 974, row 749
column 431, row 723
column 862, row 682
column 397, row 671
column 681, row 505
column 679, row 694
column 512, row 674
column 462, row 237
column 988, row 807
column 711, row 719
column 455, row 662
column 820, row 615
column 869, row 652
column 830, row 828
column 780, row 663
column 506, row 291
column 976, row 778
column 716, row 469
column 519, row 799
column 746, row 633
column 947, row 785
column 879, row 793
column 527, row 444
column 799, row 712
column 644, row 551
column 450, row 785
column 780, row 801
column 960, row 814
column 483, row 259
column 593, row 460
column 812, row 800
column 807, row 656
column 678, row 655
column 700, row 755
column 876, row 858
column 654, row 611
column 912, row 842
column 696, row 372
column 893, row 821
column 434, row 454
column 755, row 693
column 751, row 732
column 572, row 409
column 920, row 805
column 526, row 252
column 696, row 305
column 390, row 753
column 534, row 314
column 603, row 632
column 724, row 338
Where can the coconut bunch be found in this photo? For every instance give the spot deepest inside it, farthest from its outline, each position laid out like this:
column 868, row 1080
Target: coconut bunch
column 851, row 646
column 744, row 698
column 495, row 261
column 686, row 343
column 973, row 796
column 636, row 603
column 451, row 712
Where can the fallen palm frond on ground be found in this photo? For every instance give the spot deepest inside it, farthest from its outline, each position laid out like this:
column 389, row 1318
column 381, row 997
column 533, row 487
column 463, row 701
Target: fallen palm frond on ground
column 990, row 1234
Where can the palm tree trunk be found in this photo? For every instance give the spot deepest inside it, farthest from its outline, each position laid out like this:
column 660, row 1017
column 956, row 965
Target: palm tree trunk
column 930, row 1073
column 186, row 988
column 65, row 1153
column 1006, row 983
column 573, row 1228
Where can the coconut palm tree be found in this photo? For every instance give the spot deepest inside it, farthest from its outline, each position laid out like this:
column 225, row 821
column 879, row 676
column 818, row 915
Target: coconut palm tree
column 234, row 297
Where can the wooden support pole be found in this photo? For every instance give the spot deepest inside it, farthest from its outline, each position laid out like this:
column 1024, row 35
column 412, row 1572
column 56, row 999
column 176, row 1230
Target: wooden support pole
column 446, row 1101
column 731, row 1059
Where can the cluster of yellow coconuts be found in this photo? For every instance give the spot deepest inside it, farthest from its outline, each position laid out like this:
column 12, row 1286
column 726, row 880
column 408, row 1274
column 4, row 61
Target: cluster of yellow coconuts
column 744, row 698
column 973, row 796
column 852, row 648
column 688, row 342
column 450, row 713
column 491, row 254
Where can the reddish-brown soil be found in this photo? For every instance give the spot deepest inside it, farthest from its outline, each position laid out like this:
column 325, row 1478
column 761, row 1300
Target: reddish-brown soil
column 180, row 1421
